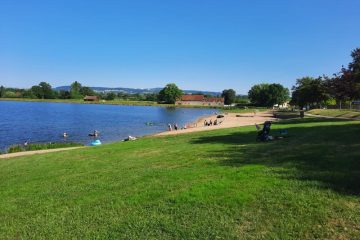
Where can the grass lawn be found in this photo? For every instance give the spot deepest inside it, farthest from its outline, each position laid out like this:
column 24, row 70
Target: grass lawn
column 336, row 113
column 209, row 185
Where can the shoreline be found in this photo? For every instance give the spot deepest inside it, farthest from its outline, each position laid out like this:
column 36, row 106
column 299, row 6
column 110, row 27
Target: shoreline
column 104, row 102
column 230, row 120
column 27, row 153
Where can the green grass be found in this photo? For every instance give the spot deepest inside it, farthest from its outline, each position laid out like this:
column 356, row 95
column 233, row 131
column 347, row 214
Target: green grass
column 211, row 185
column 336, row 113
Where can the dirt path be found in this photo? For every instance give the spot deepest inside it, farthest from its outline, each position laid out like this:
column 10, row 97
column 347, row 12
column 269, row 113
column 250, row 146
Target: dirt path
column 228, row 121
column 19, row 154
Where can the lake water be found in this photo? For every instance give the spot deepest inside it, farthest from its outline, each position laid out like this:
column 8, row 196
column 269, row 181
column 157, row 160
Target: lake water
column 46, row 122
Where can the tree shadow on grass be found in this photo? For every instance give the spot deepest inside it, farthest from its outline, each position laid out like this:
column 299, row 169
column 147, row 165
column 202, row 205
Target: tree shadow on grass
column 329, row 154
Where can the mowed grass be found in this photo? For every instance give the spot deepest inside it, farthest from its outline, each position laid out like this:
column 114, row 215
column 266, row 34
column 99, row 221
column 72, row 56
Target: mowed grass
column 210, row 185
column 355, row 114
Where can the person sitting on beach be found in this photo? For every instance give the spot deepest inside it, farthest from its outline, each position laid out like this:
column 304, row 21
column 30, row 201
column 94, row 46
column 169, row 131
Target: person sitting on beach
column 205, row 123
column 215, row 122
column 210, row 123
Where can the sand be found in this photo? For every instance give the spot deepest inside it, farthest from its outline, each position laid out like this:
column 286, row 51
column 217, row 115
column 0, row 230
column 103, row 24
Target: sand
column 229, row 120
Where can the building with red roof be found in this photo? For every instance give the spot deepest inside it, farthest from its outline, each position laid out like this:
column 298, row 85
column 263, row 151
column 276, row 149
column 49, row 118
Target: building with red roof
column 200, row 100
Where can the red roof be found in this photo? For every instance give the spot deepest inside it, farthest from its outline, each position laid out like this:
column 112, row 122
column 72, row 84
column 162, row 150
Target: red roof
column 214, row 99
column 193, row 98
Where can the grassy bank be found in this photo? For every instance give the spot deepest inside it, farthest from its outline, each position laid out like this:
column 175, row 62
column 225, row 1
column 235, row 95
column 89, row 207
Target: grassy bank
column 336, row 113
column 207, row 185
column 40, row 146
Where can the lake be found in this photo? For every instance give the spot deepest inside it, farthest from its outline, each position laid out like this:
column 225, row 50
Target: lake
column 46, row 122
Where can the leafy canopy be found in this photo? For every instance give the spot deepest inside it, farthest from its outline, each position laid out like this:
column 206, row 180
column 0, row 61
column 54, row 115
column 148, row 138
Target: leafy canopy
column 170, row 93
column 229, row 96
column 267, row 95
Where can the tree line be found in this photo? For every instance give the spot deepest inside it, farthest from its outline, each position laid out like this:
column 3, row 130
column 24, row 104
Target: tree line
column 169, row 94
column 339, row 90
column 45, row 91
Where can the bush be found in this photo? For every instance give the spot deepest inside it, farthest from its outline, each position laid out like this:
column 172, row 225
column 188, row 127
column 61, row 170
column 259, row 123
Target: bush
column 15, row 148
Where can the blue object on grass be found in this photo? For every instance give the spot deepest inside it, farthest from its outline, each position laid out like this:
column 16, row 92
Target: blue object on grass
column 96, row 143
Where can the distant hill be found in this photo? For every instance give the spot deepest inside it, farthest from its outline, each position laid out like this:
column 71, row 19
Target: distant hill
column 137, row 90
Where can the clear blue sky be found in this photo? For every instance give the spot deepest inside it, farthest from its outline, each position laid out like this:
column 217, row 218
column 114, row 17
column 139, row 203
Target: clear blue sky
column 197, row 44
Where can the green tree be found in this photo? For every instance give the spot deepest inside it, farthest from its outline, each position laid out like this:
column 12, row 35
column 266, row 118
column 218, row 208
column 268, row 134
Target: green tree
column 309, row 92
column 229, row 96
column 170, row 93
column 63, row 94
column 75, row 90
column 10, row 94
column 43, row 91
column 151, row 97
column 47, row 90
column 2, row 91
column 258, row 94
column 110, row 96
column 267, row 95
column 277, row 94
column 28, row 94
column 86, row 91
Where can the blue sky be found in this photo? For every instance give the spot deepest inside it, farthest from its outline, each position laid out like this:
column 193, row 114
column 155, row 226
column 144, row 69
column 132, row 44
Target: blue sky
column 197, row 44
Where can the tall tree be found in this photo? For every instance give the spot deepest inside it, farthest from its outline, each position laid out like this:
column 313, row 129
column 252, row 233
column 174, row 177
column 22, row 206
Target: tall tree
column 170, row 93
column 229, row 96
column 75, row 90
column 43, row 91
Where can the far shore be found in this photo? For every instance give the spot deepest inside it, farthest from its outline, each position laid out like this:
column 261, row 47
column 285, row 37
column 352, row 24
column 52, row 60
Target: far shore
column 106, row 102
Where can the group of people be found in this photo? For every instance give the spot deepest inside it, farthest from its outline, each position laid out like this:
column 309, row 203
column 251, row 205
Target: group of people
column 176, row 127
column 173, row 127
column 210, row 123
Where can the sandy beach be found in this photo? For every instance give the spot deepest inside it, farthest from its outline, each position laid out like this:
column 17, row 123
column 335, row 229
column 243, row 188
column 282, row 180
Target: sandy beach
column 228, row 121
